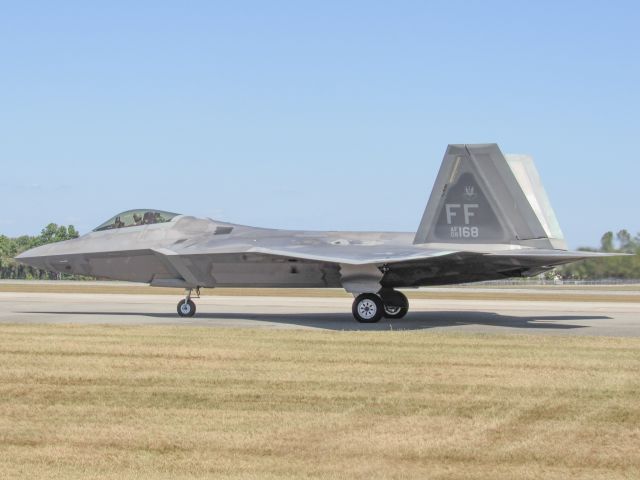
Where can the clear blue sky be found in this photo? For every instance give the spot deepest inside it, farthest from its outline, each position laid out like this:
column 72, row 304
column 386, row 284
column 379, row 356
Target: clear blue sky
column 312, row 115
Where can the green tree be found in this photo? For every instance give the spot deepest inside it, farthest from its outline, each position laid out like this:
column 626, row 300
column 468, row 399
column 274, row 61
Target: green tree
column 625, row 241
column 606, row 242
column 627, row 267
column 10, row 247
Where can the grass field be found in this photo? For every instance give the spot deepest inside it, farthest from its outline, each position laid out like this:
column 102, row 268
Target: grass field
column 184, row 402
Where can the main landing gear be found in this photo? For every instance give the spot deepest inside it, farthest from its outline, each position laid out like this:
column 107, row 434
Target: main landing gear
column 186, row 307
column 371, row 307
column 367, row 307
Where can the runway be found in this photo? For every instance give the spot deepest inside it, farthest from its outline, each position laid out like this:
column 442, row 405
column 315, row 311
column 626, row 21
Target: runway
column 618, row 319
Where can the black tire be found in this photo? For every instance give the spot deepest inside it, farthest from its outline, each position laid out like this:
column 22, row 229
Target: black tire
column 186, row 308
column 367, row 308
column 391, row 311
column 396, row 304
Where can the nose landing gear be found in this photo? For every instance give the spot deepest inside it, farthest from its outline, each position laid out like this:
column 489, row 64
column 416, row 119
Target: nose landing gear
column 186, row 307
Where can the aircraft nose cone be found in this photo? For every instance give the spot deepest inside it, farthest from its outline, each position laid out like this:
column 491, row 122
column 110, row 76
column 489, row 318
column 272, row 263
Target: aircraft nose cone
column 33, row 257
column 53, row 257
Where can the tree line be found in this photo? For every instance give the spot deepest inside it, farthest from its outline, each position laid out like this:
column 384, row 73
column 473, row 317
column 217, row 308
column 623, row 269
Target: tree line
column 595, row 269
column 10, row 247
column 608, row 268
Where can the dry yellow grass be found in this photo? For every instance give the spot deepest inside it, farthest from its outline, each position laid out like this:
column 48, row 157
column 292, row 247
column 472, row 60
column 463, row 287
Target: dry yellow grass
column 544, row 294
column 175, row 402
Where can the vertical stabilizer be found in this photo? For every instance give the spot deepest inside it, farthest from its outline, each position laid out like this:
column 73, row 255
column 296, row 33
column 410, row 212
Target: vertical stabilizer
column 481, row 197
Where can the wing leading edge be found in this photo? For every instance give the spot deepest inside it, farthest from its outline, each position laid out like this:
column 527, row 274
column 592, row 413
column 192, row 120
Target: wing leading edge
column 389, row 253
column 354, row 254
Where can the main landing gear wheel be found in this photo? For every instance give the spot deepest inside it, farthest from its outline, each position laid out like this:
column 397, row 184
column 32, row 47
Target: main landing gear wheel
column 368, row 308
column 396, row 304
column 186, row 308
column 391, row 311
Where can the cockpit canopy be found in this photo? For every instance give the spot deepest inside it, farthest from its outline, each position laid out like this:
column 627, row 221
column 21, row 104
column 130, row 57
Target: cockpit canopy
column 133, row 218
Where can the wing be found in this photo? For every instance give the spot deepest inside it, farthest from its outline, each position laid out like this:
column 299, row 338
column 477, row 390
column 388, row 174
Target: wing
column 378, row 254
column 355, row 254
column 268, row 262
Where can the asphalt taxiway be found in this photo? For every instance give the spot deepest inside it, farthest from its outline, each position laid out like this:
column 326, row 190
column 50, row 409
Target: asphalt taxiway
column 575, row 317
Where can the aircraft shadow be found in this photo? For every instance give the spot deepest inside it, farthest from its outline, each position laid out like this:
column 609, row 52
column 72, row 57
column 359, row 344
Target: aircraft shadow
column 344, row 321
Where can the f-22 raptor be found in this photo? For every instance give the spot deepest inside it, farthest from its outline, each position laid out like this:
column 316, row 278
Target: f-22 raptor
column 488, row 218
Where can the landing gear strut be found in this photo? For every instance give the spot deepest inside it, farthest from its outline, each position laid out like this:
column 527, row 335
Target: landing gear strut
column 388, row 303
column 186, row 307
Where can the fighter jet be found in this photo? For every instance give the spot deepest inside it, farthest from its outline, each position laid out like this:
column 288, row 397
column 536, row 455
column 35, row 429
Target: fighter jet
column 488, row 217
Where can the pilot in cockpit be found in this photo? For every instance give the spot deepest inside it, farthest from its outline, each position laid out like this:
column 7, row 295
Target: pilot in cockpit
column 117, row 223
column 148, row 218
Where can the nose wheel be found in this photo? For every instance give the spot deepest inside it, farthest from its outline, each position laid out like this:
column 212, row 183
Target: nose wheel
column 186, row 307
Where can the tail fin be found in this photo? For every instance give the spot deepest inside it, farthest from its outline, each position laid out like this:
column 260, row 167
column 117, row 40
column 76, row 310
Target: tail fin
column 484, row 197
